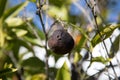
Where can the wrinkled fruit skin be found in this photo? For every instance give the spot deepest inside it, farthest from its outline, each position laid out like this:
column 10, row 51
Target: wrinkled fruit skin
column 61, row 42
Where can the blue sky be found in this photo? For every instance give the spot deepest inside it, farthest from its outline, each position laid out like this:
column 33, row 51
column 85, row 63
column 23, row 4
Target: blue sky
column 114, row 10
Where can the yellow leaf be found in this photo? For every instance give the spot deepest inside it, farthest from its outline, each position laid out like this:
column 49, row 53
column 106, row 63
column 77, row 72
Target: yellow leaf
column 12, row 22
column 2, row 36
column 58, row 12
column 19, row 32
column 77, row 57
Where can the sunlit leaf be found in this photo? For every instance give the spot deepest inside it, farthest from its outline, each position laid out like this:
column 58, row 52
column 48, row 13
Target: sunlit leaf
column 19, row 32
column 63, row 73
column 104, row 33
column 100, row 59
column 6, row 65
column 33, row 65
column 2, row 35
column 39, row 77
column 2, row 6
column 7, row 70
column 58, row 12
column 33, row 1
column 77, row 57
column 13, row 22
column 2, row 38
column 99, row 20
column 60, row 3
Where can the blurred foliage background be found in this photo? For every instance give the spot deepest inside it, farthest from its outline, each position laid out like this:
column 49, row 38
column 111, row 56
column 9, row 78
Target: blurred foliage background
column 23, row 52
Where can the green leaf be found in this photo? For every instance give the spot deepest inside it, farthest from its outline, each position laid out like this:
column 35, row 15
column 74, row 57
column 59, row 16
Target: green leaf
column 6, row 71
column 2, row 6
column 40, row 33
column 32, row 29
column 16, row 44
column 105, row 32
column 33, row 1
column 39, row 77
column 81, row 31
column 81, row 42
column 58, row 12
column 52, row 70
column 99, row 20
column 63, row 73
column 12, row 12
column 33, row 41
column 77, row 57
column 115, row 46
column 100, row 59
column 25, row 44
column 60, row 3
column 33, row 65
column 19, row 32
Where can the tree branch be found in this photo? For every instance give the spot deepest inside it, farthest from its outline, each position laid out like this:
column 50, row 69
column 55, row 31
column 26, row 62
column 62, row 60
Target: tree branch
column 39, row 7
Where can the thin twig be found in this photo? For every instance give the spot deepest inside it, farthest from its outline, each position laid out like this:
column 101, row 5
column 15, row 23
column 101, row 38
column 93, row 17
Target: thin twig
column 96, row 25
column 39, row 6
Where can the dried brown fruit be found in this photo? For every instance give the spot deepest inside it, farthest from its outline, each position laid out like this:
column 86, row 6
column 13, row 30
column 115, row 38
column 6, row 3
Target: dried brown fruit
column 61, row 42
